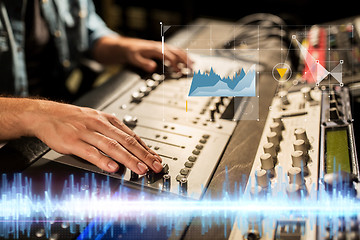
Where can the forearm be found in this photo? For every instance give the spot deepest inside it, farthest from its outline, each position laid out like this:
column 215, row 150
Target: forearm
column 110, row 50
column 14, row 117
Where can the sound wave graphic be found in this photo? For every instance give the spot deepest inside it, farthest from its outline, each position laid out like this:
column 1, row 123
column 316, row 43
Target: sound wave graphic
column 91, row 201
column 212, row 84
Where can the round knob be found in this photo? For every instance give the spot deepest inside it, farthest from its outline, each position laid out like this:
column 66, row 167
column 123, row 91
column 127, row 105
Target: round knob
column 300, row 145
column 166, row 182
column 273, row 138
column 300, row 133
column 262, row 178
column 298, row 159
column 271, row 149
column 267, row 162
column 278, row 119
column 283, row 97
column 130, row 120
column 137, row 96
column 183, row 186
column 151, row 83
column 295, row 176
column 158, row 77
column 145, row 90
column 306, row 91
column 276, row 127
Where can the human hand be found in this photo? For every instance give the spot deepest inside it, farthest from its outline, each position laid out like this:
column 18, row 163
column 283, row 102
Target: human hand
column 141, row 53
column 138, row 52
column 97, row 137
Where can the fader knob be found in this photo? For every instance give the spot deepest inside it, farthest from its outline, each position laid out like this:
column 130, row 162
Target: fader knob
column 183, row 185
column 306, row 91
column 295, row 176
column 267, row 162
column 300, row 133
column 298, row 159
column 271, row 149
column 262, row 178
column 166, row 182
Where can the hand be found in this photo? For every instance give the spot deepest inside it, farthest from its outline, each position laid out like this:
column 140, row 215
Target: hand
column 141, row 52
column 97, row 137
column 138, row 52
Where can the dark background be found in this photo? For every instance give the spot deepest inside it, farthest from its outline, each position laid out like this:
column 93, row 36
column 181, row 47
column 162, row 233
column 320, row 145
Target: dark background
column 140, row 18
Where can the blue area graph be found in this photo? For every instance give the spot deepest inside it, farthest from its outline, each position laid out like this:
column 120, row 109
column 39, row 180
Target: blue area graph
column 212, row 85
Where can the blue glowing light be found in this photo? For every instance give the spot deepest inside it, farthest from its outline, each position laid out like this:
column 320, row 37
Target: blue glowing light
column 89, row 200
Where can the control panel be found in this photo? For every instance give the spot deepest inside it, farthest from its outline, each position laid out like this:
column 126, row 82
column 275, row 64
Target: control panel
column 307, row 148
column 189, row 133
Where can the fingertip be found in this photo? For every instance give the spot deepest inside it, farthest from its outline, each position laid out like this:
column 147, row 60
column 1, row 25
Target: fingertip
column 142, row 168
column 150, row 66
column 112, row 166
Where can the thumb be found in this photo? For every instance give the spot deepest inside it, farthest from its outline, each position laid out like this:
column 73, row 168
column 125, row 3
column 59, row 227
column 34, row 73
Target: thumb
column 144, row 63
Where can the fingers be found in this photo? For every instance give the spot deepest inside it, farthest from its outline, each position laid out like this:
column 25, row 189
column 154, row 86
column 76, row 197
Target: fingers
column 153, row 50
column 145, row 63
column 93, row 155
column 120, row 143
column 120, row 125
column 119, row 153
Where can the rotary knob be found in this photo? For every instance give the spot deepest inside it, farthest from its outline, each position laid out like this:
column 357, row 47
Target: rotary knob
column 137, row 96
column 267, row 162
column 262, row 178
column 300, row 133
column 151, row 83
column 271, row 149
column 298, row 159
column 306, row 91
column 130, row 121
column 157, row 77
column 276, row 127
column 278, row 119
column 145, row 90
column 273, row 138
column 300, row 145
column 295, row 176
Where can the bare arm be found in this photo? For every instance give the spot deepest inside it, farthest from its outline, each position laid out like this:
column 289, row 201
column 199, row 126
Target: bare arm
column 83, row 132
